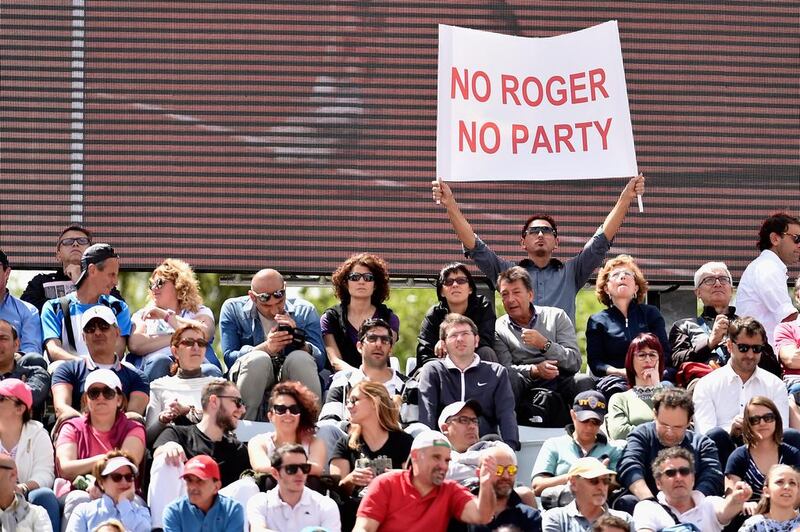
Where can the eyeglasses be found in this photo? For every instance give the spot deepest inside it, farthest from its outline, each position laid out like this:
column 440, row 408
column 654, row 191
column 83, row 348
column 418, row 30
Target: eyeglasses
column 464, row 420
column 512, row 470
column 81, row 240
column 191, row 342
column 536, row 229
column 92, row 327
column 375, row 338
column 645, row 355
column 724, row 280
column 266, row 296
column 94, row 393
column 282, row 409
column 620, row 274
column 450, row 281
column 769, row 417
column 116, row 477
column 795, row 237
column 599, row 480
column 235, row 398
column 157, row 283
column 755, row 348
column 683, row 471
column 353, row 276
column 292, row 469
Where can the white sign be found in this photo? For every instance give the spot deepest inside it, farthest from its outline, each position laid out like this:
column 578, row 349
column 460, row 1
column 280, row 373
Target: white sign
column 516, row 108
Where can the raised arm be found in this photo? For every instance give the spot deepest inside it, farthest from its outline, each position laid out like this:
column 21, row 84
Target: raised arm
column 614, row 219
column 442, row 193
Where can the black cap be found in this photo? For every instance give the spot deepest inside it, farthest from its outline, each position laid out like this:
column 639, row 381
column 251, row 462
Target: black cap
column 94, row 254
column 4, row 260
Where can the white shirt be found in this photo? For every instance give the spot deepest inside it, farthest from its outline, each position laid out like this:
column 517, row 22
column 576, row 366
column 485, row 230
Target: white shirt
column 650, row 515
column 268, row 510
column 762, row 292
column 721, row 395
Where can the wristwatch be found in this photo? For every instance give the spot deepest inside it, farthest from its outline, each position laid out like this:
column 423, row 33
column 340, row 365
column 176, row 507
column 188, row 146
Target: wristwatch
column 546, row 347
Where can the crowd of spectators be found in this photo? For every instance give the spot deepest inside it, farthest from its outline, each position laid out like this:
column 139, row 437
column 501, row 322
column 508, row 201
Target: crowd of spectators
column 119, row 420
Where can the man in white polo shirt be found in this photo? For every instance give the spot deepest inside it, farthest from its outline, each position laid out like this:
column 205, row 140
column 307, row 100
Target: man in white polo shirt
column 291, row 506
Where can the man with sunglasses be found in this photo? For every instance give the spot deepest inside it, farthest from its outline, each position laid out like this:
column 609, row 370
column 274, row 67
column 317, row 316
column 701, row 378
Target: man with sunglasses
column 589, row 481
column 557, row 283
column 763, row 292
column 720, row 397
column 583, row 437
column 61, row 316
column 678, row 502
column 291, row 505
column 268, row 337
column 213, row 436
column 101, row 335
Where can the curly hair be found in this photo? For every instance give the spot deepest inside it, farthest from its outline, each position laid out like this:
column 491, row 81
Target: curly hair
column 387, row 410
column 642, row 341
column 305, row 399
column 186, row 284
column 748, row 434
column 602, row 278
column 375, row 264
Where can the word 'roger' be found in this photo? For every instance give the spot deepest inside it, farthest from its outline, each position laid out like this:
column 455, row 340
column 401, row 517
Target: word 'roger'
column 574, row 89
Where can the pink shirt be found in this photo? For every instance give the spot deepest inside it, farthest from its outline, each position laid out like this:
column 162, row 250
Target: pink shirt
column 99, row 443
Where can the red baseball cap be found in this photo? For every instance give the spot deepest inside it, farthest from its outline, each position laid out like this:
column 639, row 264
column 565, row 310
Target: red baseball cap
column 202, row 466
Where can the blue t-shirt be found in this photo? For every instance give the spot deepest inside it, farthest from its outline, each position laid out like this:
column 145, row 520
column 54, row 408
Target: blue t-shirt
column 53, row 319
column 741, row 464
column 73, row 372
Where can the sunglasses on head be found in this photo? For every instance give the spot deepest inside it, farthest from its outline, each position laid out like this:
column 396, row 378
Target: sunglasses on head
column 157, row 283
column 450, row 281
column 683, row 471
column 755, row 348
column 354, row 276
column 769, row 417
column 794, row 237
column 292, row 469
column 536, row 229
column 191, row 342
column 117, row 477
column 282, row 409
column 92, row 326
column 82, row 240
column 264, row 297
column 94, row 393
column 512, row 470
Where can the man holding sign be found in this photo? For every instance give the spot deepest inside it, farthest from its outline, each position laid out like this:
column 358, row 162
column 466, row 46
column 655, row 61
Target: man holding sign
column 555, row 283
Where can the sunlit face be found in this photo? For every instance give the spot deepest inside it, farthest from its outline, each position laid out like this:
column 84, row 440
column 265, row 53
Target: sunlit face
column 101, row 337
column 376, row 347
column 644, row 358
column 431, row 464
column 105, row 279
column 539, row 243
column 292, row 483
column 8, row 345
column 458, row 292
column 590, row 491
column 717, row 294
column 229, row 414
column 622, row 283
column 286, row 419
column 461, row 341
column 361, row 288
column 360, row 406
column 269, row 285
column 503, row 484
column 114, row 488
column 517, row 299
column 782, row 487
column 201, row 492
column 163, row 290
column 671, row 425
column 765, row 429
column 680, row 485
column 99, row 402
column 784, row 246
column 71, row 253
column 462, row 429
column 189, row 352
column 745, row 362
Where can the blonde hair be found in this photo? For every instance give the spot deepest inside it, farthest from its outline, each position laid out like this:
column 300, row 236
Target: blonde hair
column 186, row 284
column 387, row 410
column 602, row 278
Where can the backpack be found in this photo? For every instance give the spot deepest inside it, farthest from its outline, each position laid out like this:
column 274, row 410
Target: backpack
column 63, row 303
column 541, row 407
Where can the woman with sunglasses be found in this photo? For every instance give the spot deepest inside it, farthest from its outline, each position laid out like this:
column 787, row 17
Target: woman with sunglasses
column 620, row 286
column 114, row 473
column 85, row 440
column 361, row 284
column 644, row 364
column 30, row 445
column 374, row 432
column 293, row 411
column 175, row 300
column 175, row 399
column 762, row 431
column 777, row 509
column 458, row 293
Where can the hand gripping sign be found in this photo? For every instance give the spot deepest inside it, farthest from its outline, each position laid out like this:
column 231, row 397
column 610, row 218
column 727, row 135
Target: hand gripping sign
column 516, row 108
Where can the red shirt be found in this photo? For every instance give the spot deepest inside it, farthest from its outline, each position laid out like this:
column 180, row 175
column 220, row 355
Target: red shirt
column 395, row 503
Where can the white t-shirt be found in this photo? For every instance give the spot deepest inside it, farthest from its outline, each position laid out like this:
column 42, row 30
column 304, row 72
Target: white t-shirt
column 649, row 515
column 313, row 510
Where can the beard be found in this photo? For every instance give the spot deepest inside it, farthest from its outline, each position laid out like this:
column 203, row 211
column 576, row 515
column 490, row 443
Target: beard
column 225, row 421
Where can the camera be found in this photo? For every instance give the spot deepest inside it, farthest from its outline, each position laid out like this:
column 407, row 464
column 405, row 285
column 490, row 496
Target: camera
column 379, row 464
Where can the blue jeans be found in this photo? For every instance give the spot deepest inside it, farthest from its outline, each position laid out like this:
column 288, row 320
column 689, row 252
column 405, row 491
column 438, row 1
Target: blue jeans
column 46, row 498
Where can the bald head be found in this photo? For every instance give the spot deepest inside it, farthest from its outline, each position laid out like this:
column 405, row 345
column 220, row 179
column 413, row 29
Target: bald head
column 263, row 289
column 501, row 452
column 264, row 279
